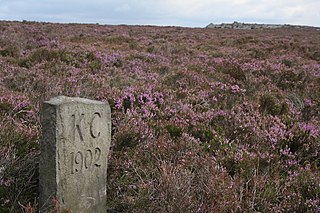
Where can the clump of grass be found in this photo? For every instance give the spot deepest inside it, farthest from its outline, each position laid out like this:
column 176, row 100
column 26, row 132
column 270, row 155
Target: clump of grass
column 118, row 40
column 174, row 131
column 41, row 55
column 233, row 70
column 288, row 62
column 269, row 104
column 19, row 170
column 126, row 139
column 10, row 51
column 257, row 53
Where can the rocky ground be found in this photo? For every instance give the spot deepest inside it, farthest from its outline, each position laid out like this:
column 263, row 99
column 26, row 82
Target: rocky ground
column 250, row 26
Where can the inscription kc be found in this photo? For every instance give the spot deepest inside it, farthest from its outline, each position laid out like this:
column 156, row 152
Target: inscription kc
column 88, row 159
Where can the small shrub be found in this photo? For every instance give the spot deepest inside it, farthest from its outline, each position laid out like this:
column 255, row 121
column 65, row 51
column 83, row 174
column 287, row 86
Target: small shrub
column 25, row 62
column 244, row 40
column 233, row 70
column 118, row 40
column 95, row 66
column 204, row 135
column 126, row 103
column 257, row 54
column 214, row 144
column 287, row 62
column 24, row 174
column 46, row 55
column 309, row 112
column 291, row 80
column 269, row 104
column 5, row 107
column 151, row 49
column 164, row 70
column 126, row 139
column 172, row 80
column 41, row 55
column 315, row 55
column 91, row 56
column 10, row 51
column 174, row 131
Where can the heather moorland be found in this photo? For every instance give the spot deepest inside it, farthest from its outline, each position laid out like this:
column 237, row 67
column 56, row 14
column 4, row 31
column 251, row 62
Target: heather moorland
column 203, row 120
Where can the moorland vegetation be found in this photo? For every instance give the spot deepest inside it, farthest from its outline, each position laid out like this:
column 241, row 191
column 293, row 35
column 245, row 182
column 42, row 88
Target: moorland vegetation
column 203, row 120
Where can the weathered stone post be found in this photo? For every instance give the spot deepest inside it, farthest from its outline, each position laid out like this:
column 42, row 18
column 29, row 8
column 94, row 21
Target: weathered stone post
column 74, row 151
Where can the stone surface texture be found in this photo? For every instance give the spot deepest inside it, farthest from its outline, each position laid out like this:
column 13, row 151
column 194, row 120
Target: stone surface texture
column 251, row 26
column 74, row 151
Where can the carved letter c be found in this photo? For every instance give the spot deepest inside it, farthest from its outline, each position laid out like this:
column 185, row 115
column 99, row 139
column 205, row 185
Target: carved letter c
column 95, row 115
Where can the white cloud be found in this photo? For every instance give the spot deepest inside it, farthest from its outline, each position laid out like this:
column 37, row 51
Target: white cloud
column 165, row 12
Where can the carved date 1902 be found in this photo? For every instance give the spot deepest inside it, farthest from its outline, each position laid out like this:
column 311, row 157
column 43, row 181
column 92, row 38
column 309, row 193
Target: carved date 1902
column 86, row 160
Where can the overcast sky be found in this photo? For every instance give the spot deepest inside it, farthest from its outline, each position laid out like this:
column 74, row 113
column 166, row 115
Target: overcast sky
column 189, row 13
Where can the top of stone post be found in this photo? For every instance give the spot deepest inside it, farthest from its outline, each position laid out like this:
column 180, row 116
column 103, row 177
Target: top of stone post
column 64, row 99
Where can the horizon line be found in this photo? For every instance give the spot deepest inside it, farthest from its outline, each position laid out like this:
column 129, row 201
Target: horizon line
column 156, row 25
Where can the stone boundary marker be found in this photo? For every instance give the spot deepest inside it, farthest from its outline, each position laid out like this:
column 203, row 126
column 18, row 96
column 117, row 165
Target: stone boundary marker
column 74, row 151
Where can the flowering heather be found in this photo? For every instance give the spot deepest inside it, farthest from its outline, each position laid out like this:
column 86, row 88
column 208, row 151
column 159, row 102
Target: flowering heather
column 204, row 120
